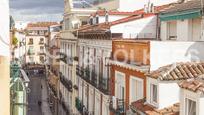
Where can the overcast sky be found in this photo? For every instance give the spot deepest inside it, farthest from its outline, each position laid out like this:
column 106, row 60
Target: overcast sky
column 37, row 10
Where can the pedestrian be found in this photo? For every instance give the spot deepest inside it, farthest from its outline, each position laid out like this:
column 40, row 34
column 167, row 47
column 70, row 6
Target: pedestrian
column 39, row 103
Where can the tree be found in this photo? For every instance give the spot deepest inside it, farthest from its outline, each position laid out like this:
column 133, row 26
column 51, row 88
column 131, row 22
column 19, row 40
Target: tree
column 14, row 41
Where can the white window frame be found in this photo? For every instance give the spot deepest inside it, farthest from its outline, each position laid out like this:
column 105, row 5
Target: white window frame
column 151, row 94
column 141, row 90
column 116, row 86
column 186, row 104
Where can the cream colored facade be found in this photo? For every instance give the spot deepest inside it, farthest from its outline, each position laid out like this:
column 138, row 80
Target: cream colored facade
column 73, row 18
column 4, row 58
column 35, row 49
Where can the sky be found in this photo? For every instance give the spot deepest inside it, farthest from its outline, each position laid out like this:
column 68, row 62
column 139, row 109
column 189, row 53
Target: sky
column 37, row 10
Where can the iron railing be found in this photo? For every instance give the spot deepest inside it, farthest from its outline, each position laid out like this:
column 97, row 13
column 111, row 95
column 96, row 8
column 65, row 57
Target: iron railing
column 117, row 106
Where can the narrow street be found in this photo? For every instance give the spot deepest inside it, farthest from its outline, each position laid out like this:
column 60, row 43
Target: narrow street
column 35, row 95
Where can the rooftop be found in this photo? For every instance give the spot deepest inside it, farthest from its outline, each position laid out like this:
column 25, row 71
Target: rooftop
column 188, row 5
column 178, row 71
column 147, row 109
column 194, row 85
column 41, row 24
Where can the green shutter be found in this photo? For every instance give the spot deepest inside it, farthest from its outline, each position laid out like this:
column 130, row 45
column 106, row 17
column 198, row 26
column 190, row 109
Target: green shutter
column 189, row 14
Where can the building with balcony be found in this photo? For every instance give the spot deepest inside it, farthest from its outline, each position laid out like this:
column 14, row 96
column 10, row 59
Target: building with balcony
column 76, row 14
column 53, row 67
column 35, row 41
column 183, row 21
column 94, row 51
column 131, row 63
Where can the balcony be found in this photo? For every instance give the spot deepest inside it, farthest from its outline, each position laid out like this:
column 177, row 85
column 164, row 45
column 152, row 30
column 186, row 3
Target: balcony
column 41, row 52
column 63, row 57
column 30, row 53
column 117, row 106
column 30, row 43
column 67, row 83
column 80, row 71
column 54, row 91
column 41, row 43
column 104, row 85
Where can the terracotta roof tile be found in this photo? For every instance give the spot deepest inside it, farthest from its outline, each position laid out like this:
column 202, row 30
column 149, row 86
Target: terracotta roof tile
column 190, row 4
column 42, row 24
column 147, row 109
column 178, row 71
column 195, row 85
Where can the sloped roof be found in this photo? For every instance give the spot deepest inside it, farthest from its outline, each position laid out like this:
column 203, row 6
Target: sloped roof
column 178, row 71
column 194, row 85
column 42, row 24
column 147, row 109
column 188, row 5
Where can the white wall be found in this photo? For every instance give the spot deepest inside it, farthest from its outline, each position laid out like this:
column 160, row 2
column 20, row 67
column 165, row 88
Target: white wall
column 199, row 99
column 4, row 28
column 143, row 28
column 21, row 25
column 168, row 94
column 111, row 18
column 167, row 52
column 187, row 30
column 183, row 30
column 148, row 91
column 91, row 99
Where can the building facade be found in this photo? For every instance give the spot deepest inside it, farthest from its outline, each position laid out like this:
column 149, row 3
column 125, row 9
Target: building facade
column 36, row 40
column 53, row 67
column 75, row 15
column 182, row 21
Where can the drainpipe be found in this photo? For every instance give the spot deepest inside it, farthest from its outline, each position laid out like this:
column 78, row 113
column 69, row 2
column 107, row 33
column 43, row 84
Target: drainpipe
column 202, row 19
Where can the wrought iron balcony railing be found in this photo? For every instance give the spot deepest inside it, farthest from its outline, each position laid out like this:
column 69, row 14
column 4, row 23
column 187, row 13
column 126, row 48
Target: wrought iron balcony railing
column 104, row 85
column 67, row 83
column 117, row 106
column 41, row 42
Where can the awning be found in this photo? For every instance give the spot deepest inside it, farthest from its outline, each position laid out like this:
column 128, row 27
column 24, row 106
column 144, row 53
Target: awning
column 181, row 15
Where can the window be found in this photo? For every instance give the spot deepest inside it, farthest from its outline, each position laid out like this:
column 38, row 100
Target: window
column 97, row 19
column 154, row 91
column 91, row 21
column 31, row 59
column 172, row 30
column 41, row 48
column 190, row 107
column 30, row 41
column 41, row 40
column 42, row 59
column 136, row 85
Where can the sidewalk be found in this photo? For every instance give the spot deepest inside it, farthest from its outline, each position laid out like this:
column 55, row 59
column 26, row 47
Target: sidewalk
column 45, row 104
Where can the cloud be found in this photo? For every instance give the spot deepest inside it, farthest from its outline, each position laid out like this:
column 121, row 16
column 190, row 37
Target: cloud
column 41, row 10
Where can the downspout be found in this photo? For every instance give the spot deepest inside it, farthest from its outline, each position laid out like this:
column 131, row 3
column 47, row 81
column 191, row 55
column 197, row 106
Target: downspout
column 158, row 28
column 202, row 19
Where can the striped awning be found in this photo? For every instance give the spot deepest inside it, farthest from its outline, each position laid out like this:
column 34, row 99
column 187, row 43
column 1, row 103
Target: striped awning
column 181, row 15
